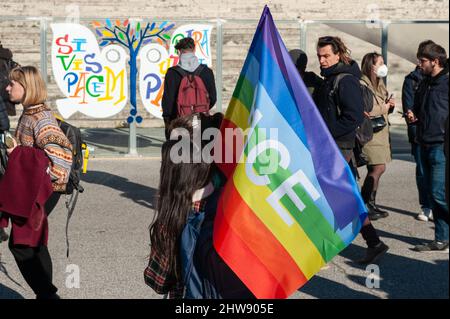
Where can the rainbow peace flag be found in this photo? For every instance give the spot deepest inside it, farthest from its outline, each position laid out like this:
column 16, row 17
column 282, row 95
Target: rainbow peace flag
column 290, row 203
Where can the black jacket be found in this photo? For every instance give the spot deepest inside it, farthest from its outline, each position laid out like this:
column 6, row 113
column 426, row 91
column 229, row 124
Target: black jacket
column 410, row 86
column 172, row 84
column 4, row 119
column 312, row 81
column 431, row 108
column 342, row 124
column 6, row 106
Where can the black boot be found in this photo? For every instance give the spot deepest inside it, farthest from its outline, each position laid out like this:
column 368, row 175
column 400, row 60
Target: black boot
column 375, row 247
column 374, row 253
column 3, row 235
column 372, row 206
column 372, row 213
column 366, row 193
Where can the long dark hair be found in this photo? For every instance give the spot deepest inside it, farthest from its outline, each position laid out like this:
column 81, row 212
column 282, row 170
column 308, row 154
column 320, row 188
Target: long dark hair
column 368, row 61
column 178, row 182
column 338, row 46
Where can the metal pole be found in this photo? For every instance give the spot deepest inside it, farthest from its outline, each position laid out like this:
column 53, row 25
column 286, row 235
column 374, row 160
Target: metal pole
column 132, row 148
column 384, row 44
column 43, row 45
column 303, row 27
column 132, row 138
column 219, row 65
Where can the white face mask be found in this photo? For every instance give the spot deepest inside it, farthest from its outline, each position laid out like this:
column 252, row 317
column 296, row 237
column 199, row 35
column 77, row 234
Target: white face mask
column 382, row 71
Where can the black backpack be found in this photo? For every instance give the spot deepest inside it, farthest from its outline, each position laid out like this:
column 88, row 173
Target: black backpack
column 73, row 134
column 364, row 133
column 73, row 187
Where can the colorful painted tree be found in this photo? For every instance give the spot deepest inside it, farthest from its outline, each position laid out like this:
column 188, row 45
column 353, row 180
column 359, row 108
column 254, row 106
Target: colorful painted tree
column 132, row 37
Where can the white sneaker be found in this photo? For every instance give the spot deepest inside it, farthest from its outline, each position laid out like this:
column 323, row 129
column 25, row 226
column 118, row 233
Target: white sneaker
column 422, row 217
column 425, row 215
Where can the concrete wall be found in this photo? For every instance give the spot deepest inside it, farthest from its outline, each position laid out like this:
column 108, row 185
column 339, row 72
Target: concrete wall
column 292, row 9
column 23, row 36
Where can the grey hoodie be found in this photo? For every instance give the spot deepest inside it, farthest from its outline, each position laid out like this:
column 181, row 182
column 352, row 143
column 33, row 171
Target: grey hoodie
column 189, row 62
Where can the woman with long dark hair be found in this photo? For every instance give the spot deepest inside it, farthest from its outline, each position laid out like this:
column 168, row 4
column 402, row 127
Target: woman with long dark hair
column 183, row 262
column 378, row 150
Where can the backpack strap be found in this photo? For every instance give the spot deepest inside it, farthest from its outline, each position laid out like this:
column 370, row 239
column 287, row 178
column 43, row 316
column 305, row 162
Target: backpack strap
column 336, row 82
column 361, row 82
column 199, row 69
column 180, row 71
column 334, row 93
column 183, row 72
column 70, row 205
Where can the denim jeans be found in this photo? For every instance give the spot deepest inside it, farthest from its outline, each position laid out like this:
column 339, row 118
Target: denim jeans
column 433, row 160
column 424, row 200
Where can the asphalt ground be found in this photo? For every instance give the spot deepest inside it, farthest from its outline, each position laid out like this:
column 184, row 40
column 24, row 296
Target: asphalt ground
column 110, row 240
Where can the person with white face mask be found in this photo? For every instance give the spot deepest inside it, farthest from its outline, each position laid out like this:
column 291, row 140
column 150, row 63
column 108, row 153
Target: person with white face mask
column 382, row 70
column 378, row 150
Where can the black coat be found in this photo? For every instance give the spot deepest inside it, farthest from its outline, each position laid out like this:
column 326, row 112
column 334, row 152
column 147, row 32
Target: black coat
column 410, row 86
column 312, row 81
column 342, row 124
column 4, row 119
column 172, row 83
column 431, row 108
column 6, row 106
column 4, row 98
